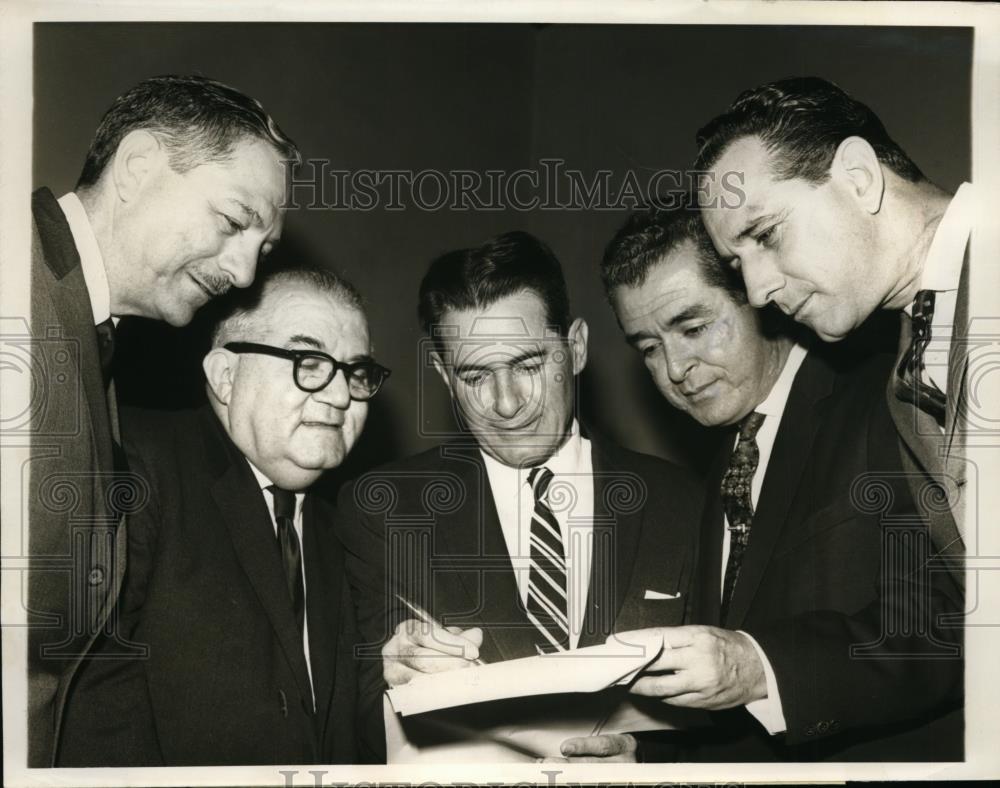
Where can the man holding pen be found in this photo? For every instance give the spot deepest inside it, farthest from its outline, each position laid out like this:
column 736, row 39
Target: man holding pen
column 524, row 534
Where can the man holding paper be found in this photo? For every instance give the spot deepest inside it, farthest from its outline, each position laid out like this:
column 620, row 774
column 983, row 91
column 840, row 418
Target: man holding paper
column 523, row 535
column 824, row 634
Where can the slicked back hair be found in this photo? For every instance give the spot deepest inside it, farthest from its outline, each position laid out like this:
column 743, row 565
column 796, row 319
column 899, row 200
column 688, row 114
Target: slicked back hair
column 648, row 236
column 479, row 277
column 197, row 119
column 801, row 121
column 238, row 318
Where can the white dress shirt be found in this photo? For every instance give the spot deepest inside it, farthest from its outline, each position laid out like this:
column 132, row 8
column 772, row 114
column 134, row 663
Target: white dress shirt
column 767, row 711
column 571, row 499
column 91, row 261
column 941, row 273
column 264, row 483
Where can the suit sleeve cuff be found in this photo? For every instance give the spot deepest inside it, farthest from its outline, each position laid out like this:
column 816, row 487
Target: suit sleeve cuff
column 767, row 711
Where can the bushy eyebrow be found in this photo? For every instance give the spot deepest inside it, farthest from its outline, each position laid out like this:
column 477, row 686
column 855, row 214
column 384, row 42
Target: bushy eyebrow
column 693, row 312
column 305, row 339
column 753, row 226
column 249, row 212
column 528, row 355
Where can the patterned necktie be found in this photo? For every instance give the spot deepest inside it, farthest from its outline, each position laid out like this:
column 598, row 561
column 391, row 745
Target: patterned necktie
column 547, row 606
column 291, row 555
column 737, row 502
column 908, row 383
column 106, row 347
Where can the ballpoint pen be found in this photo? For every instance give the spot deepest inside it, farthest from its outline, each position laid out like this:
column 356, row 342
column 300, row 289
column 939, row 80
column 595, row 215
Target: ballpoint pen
column 427, row 618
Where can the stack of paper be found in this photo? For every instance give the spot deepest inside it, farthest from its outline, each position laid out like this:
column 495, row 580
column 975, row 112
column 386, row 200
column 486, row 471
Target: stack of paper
column 579, row 670
column 523, row 709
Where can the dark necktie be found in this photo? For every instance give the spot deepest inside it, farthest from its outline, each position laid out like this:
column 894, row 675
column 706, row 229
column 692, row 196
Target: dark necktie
column 737, row 502
column 908, row 383
column 291, row 555
column 106, row 347
column 547, row 605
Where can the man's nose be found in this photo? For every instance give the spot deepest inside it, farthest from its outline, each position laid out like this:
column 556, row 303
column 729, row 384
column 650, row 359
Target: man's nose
column 239, row 259
column 336, row 393
column 679, row 363
column 508, row 399
column 761, row 278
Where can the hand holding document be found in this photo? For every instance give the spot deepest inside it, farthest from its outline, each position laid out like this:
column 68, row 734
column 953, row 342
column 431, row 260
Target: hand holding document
column 524, row 709
column 578, row 670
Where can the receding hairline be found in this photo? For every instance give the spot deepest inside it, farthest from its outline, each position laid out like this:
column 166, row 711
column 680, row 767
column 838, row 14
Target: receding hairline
column 258, row 319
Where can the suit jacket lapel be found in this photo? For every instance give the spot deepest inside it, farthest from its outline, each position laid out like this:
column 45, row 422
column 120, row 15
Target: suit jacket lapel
column 324, row 583
column 708, row 575
column 243, row 510
column 917, row 429
column 474, row 530
column 72, row 304
column 958, row 356
column 920, row 438
column 616, row 536
column 796, row 433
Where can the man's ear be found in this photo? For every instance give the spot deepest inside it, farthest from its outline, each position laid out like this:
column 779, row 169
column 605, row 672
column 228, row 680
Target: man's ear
column 576, row 338
column 440, row 368
column 857, row 166
column 220, row 368
column 137, row 155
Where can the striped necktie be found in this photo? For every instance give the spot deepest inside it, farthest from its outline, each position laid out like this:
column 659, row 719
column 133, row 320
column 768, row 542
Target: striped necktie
column 547, row 606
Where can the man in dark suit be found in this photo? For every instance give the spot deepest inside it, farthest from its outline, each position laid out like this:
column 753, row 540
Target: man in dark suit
column 168, row 212
column 819, row 628
column 522, row 534
column 833, row 222
column 235, row 587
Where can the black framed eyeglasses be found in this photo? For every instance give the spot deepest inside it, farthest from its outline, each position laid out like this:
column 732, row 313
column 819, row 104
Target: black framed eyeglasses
column 313, row 370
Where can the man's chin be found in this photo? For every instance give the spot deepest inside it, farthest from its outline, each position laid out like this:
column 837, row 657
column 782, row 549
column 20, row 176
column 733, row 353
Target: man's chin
column 520, row 456
column 829, row 336
column 178, row 315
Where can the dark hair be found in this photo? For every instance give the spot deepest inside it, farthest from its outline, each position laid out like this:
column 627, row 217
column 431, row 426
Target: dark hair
column 198, row 120
column 233, row 315
column 649, row 235
column 803, row 121
column 501, row 267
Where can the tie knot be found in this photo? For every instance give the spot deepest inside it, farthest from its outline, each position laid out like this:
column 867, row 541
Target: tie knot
column 750, row 425
column 539, row 479
column 106, row 347
column 923, row 306
column 284, row 502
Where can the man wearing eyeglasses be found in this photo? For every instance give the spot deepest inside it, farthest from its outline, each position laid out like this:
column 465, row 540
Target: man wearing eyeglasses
column 525, row 534
column 235, row 582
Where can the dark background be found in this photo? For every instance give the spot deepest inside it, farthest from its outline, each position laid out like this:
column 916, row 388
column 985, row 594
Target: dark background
column 482, row 97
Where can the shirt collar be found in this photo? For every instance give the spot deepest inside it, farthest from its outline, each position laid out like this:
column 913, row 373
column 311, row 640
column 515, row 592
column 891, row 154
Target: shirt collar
column 91, row 261
column 565, row 461
column 943, row 266
column 263, row 482
column 774, row 402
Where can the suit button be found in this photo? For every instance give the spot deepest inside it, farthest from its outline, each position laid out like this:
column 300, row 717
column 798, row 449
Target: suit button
column 822, row 727
column 96, row 576
column 810, row 731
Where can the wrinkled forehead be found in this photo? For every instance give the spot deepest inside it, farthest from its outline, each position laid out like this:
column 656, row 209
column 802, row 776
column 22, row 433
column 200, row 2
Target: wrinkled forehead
column 297, row 314
column 507, row 331
column 258, row 178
